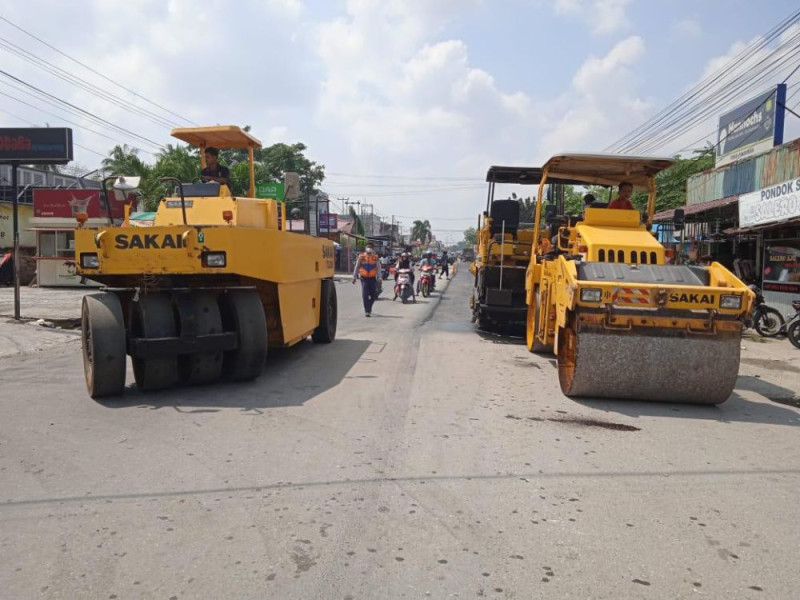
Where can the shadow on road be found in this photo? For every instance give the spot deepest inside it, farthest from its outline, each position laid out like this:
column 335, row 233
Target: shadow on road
column 736, row 409
column 291, row 377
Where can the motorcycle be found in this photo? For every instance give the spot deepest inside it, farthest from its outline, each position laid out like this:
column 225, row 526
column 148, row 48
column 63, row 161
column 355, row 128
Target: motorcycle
column 793, row 332
column 427, row 280
column 402, row 286
column 766, row 320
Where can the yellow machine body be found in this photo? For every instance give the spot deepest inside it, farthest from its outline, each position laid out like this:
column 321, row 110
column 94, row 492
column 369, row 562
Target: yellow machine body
column 203, row 250
column 621, row 321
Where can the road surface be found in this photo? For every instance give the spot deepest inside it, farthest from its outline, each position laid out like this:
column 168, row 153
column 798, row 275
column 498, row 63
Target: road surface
column 413, row 458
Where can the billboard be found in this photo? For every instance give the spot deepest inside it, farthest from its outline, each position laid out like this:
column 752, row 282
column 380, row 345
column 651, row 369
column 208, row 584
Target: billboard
column 65, row 204
column 782, row 267
column 328, row 222
column 753, row 128
column 771, row 205
column 269, row 189
column 39, row 145
column 27, row 238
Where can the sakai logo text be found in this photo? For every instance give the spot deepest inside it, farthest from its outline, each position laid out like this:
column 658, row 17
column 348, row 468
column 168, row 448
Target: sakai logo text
column 692, row 298
column 148, row 241
column 327, row 251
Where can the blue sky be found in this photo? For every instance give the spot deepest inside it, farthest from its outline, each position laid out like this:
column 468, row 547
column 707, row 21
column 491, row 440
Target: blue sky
column 389, row 94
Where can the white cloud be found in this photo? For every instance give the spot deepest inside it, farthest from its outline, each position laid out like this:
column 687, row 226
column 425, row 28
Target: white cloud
column 604, row 16
column 687, row 28
column 603, row 102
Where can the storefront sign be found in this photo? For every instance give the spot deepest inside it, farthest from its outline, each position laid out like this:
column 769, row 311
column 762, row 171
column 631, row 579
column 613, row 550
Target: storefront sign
column 65, row 204
column 752, row 128
column 328, row 222
column 26, row 238
column 269, row 189
column 40, row 145
column 782, row 267
column 770, row 205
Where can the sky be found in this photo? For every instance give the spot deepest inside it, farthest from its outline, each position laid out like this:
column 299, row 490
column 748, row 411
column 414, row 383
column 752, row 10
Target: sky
column 406, row 102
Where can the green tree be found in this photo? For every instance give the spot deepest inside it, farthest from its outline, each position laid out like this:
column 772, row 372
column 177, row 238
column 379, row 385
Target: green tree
column 671, row 183
column 124, row 160
column 470, row 237
column 421, row 231
column 357, row 224
column 178, row 161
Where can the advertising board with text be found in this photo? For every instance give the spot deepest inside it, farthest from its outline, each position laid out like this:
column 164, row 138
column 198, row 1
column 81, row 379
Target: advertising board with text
column 782, row 267
column 38, row 145
column 753, row 128
column 774, row 204
column 66, row 204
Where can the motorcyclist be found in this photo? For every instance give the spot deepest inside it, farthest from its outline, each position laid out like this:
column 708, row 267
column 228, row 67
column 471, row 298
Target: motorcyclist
column 404, row 262
column 428, row 261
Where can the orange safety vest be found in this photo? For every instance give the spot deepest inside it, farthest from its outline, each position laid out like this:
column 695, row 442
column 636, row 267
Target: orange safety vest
column 368, row 265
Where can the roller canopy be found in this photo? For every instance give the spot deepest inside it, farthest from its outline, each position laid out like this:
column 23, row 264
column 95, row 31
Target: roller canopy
column 220, row 136
column 606, row 169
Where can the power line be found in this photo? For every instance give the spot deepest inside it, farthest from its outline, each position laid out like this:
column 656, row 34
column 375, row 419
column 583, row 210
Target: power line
column 417, row 178
column 648, row 127
column 80, row 110
column 83, row 84
column 37, row 125
column 62, row 118
column 85, row 66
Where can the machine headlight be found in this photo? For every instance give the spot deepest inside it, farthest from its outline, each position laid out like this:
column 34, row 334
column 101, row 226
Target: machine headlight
column 214, row 259
column 591, row 295
column 90, row 260
column 730, row 301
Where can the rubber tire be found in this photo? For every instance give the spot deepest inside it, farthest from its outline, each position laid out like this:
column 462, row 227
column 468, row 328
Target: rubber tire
column 793, row 333
column 426, row 291
column 206, row 367
column 325, row 333
column 103, row 336
column 762, row 330
column 152, row 316
column 243, row 312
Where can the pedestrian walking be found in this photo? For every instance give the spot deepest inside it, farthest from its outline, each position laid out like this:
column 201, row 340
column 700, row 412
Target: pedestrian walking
column 445, row 266
column 367, row 270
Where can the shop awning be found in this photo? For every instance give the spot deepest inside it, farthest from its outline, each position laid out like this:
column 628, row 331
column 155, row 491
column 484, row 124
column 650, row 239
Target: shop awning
column 694, row 209
column 763, row 227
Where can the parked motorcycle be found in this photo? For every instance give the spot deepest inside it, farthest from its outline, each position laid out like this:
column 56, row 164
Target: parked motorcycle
column 427, row 280
column 793, row 326
column 766, row 320
column 402, row 287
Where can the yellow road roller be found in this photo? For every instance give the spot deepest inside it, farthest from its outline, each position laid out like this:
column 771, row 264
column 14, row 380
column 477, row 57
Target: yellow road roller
column 504, row 251
column 621, row 321
column 201, row 294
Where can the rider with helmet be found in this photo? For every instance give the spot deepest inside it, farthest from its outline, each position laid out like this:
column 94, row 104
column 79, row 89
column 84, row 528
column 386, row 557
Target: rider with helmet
column 404, row 262
column 428, row 260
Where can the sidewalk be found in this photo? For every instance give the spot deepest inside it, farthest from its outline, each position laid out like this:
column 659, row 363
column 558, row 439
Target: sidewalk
column 50, row 317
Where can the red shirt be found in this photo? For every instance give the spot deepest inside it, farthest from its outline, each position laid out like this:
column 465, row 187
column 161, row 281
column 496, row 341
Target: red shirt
column 620, row 203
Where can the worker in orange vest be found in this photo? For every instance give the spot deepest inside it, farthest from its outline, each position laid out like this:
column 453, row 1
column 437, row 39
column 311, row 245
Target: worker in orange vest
column 368, row 269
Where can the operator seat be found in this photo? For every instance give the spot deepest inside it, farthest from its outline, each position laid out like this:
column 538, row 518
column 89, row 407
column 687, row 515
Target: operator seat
column 508, row 211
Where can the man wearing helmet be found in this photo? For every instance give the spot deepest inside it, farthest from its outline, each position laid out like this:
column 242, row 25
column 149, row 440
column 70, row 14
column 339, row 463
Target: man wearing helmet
column 404, row 262
column 429, row 261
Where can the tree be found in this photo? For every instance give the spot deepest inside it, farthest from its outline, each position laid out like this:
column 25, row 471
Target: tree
column 357, row 224
column 421, row 231
column 124, row 160
column 671, row 183
column 178, row 161
column 470, row 237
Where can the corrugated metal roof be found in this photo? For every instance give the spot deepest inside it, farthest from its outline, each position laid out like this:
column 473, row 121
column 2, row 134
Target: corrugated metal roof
column 667, row 215
column 780, row 164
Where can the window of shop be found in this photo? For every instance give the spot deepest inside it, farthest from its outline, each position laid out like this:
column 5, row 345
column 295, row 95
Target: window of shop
column 57, row 244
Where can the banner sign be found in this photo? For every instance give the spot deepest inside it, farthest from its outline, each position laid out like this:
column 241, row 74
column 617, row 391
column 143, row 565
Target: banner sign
column 65, row 204
column 782, row 268
column 770, row 205
column 328, row 222
column 39, row 145
column 752, row 128
column 269, row 189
